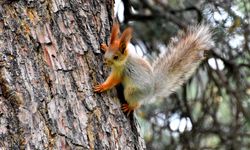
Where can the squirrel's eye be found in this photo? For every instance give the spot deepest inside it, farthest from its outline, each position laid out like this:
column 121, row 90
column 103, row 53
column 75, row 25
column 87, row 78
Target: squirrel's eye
column 115, row 57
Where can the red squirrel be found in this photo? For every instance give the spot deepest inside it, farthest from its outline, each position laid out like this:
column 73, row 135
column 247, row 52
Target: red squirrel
column 143, row 81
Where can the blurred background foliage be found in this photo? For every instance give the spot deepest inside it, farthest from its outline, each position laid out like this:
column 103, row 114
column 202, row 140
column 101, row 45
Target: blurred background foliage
column 212, row 110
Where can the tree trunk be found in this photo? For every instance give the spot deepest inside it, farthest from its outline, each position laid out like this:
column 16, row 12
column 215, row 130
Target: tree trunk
column 50, row 60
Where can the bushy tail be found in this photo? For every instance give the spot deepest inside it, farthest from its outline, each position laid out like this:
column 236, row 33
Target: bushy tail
column 184, row 54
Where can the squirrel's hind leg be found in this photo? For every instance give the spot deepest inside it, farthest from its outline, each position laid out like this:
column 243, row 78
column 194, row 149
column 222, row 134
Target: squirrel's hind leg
column 133, row 97
column 127, row 108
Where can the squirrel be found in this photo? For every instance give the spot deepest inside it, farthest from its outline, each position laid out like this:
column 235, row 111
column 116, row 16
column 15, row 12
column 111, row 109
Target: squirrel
column 143, row 81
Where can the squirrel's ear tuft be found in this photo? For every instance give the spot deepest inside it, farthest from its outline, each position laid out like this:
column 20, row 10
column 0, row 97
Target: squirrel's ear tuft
column 125, row 39
column 114, row 33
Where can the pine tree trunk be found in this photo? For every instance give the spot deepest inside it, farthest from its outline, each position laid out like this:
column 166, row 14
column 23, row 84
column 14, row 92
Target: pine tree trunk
column 50, row 60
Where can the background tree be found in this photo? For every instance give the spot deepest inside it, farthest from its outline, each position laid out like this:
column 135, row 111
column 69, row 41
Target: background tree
column 212, row 110
column 49, row 61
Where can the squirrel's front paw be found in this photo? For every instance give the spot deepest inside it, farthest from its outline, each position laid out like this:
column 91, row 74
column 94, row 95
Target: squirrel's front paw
column 104, row 47
column 99, row 88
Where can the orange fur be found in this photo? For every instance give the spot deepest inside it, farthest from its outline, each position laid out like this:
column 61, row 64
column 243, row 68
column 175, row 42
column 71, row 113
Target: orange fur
column 114, row 33
column 143, row 82
column 124, row 40
column 112, row 80
column 104, row 47
column 129, row 108
column 118, row 47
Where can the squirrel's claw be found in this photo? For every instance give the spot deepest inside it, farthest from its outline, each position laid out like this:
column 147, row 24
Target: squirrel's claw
column 99, row 88
column 127, row 109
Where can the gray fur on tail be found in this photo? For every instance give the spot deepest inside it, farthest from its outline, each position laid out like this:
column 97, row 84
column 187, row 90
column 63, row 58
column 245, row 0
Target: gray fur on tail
column 179, row 62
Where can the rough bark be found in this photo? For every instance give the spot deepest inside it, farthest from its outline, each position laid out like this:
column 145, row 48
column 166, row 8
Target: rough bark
column 49, row 61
